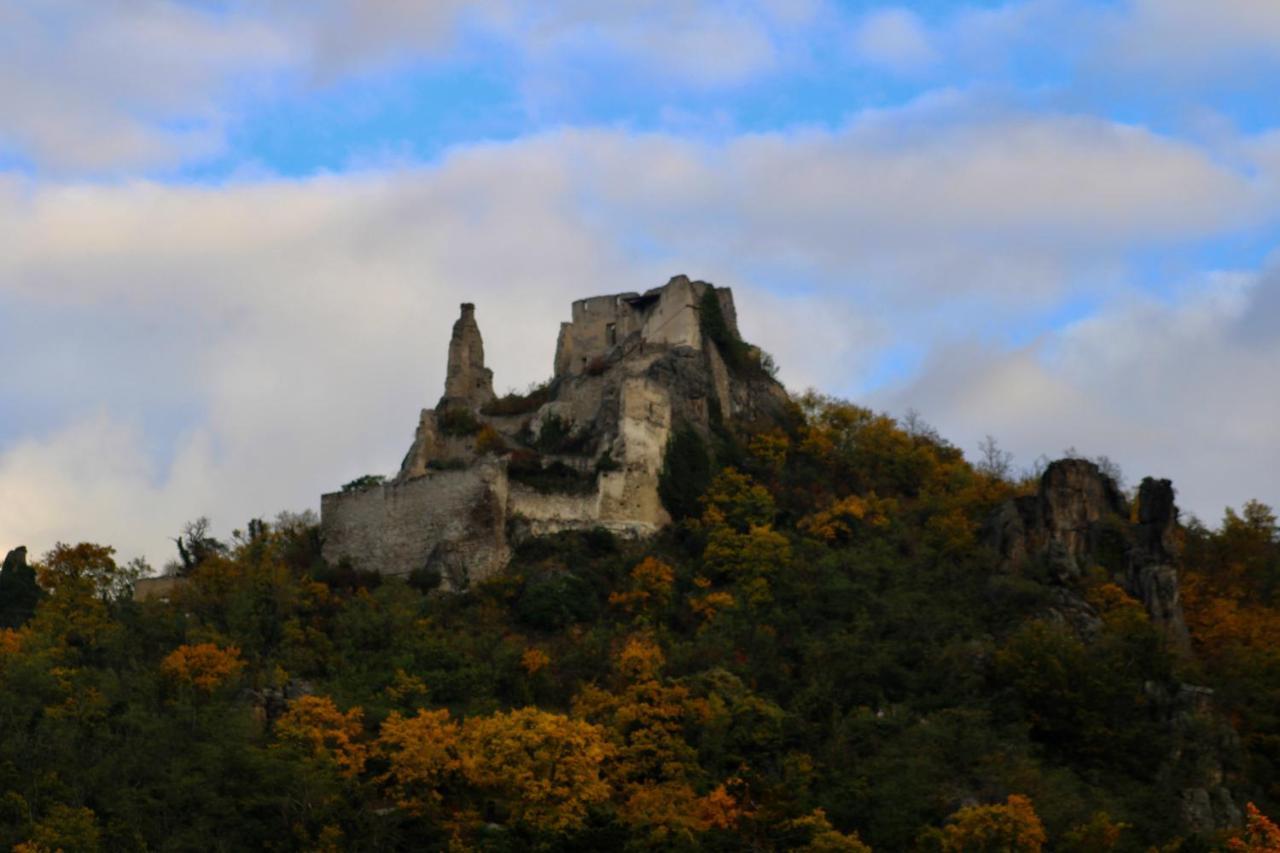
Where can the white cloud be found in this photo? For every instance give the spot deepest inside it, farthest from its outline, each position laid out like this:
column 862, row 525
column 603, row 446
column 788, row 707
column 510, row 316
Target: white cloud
column 894, row 39
column 234, row 350
column 1191, row 38
column 1169, row 389
column 105, row 86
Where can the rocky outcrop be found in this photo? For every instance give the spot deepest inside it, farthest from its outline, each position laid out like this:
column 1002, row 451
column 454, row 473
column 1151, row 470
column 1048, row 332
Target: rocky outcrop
column 1078, row 519
column 1077, row 523
column 19, row 591
column 1153, row 557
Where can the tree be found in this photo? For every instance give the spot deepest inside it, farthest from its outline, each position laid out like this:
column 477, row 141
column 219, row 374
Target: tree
column 1260, row 834
column 315, row 724
column 203, row 666
column 1011, row 827
column 993, row 461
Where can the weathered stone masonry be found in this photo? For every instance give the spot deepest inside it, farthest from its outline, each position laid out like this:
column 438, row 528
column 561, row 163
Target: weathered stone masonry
column 628, row 369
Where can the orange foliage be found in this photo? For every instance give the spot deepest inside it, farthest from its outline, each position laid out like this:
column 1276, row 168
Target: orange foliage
column 1260, row 834
column 641, row 657
column 422, row 757
column 205, row 666
column 651, row 582
column 10, row 643
column 1011, row 827
column 546, row 768
column 839, row 519
column 534, row 660
column 315, row 723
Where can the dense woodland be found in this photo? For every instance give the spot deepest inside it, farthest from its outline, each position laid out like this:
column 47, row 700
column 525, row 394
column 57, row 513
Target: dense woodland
column 821, row 654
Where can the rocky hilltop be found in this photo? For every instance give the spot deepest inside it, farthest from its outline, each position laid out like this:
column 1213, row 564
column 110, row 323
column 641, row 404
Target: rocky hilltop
column 584, row 450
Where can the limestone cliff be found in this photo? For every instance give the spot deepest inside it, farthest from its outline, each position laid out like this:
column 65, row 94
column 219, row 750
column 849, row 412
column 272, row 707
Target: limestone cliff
column 1079, row 522
column 584, row 450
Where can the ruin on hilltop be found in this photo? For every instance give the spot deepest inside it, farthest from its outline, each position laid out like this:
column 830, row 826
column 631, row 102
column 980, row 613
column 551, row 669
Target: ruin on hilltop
column 584, row 450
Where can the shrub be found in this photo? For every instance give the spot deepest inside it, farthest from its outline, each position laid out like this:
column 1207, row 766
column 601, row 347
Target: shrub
column 368, row 481
column 520, row 404
column 526, row 467
column 457, row 422
column 686, row 473
column 490, row 441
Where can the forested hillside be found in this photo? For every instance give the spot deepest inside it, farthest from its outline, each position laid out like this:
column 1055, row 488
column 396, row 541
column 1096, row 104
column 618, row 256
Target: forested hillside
column 825, row 652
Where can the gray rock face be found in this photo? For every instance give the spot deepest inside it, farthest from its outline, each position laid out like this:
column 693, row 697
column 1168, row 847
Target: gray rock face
column 1153, row 572
column 467, row 381
column 1079, row 519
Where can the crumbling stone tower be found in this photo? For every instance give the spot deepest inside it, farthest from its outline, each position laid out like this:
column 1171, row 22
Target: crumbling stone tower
column 467, row 381
column 584, row 450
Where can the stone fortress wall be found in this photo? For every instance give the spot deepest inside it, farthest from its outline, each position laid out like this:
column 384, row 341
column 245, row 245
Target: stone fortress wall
column 627, row 367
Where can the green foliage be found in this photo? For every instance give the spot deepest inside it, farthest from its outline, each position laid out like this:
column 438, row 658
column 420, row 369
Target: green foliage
column 457, row 421
column 822, row 656
column 526, row 467
column 520, row 404
column 366, row 481
column 739, row 356
column 686, row 473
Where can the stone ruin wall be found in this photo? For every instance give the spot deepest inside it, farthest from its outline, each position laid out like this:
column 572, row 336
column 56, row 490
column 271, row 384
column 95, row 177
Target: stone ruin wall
column 654, row 368
column 396, row 527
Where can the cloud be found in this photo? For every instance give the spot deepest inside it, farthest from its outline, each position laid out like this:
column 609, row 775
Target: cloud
column 142, row 87
column 1174, row 388
column 894, row 39
column 107, row 86
column 1188, row 39
column 237, row 349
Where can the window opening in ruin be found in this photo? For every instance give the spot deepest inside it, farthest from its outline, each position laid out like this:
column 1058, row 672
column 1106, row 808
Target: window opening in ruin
column 610, row 334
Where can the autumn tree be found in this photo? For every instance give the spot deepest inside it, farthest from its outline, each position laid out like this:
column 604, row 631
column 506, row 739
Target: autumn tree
column 206, row 667
column 1009, row 827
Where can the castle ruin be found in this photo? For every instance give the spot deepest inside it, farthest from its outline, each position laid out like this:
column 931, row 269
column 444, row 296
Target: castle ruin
column 584, row 450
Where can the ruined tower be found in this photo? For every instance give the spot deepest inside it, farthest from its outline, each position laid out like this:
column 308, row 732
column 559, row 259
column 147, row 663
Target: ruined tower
column 467, row 381
column 584, row 450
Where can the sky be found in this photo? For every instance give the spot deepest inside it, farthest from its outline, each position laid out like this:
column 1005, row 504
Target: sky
column 234, row 234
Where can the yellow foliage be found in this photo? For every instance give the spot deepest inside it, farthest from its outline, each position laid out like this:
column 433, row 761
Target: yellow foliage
column 740, row 556
column 641, row 657
column 823, row 837
column 546, row 767
column 315, row 723
column 422, row 756
column 70, row 828
column 488, row 440
column 405, row 687
column 710, row 606
column 534, row 660
column 1099, row 835
column 10, row 643
column 205, row 666
column 733, row 498
column 835, row 522
column 770, row 448
column 1011, row 827
column 1260, row 834
column 672, row 811
column 651, row 581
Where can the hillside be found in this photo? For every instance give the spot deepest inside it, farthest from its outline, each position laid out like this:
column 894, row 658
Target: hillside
column 834, row 646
